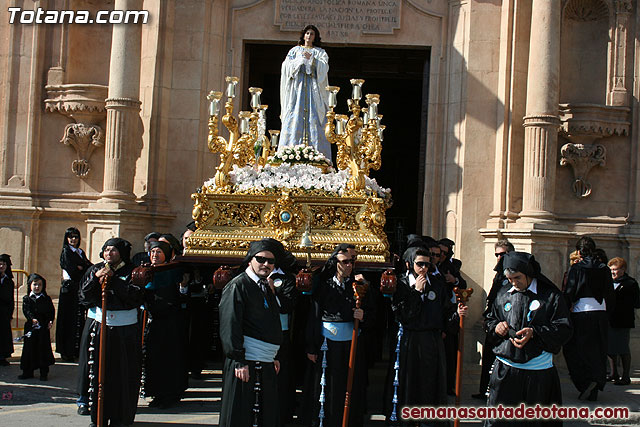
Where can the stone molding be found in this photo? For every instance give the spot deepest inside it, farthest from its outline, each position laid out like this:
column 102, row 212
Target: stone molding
column 593, row 120
column 84, row 139
column 586, row 10
column 123, row 103
column 84, row 103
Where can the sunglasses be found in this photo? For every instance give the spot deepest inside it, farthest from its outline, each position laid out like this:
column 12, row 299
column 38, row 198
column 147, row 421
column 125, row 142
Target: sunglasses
column 263, row 259
column 499, row 254
column 421, row 264
column 346, row 261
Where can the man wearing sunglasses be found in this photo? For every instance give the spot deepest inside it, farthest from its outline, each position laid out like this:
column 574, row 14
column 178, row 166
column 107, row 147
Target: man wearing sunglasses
column 251, row 334
column 500, row 248
column 423, row 308
column 332, row 321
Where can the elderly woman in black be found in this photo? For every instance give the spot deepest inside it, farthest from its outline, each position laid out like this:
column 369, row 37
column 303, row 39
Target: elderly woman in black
column 6, row 309
column 622, row 319
column 71, row 314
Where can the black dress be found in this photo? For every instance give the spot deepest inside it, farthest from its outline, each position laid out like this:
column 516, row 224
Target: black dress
column 124, row 356
column 586, row 352
column 424, row 316
column 335, row 303
column 36, row 352
column 622, row 317
column 546, row 312
column 71, row 315
column 165, row 339
column 245, row 310
column 6, row 313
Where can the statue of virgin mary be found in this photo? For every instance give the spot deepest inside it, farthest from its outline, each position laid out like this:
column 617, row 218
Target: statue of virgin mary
column 303, row 94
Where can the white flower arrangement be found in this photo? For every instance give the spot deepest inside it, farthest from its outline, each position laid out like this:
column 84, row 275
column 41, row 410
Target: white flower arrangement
column 299, row 154
column 300, row 176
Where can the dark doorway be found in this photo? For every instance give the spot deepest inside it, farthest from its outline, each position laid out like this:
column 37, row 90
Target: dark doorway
column 401, row 77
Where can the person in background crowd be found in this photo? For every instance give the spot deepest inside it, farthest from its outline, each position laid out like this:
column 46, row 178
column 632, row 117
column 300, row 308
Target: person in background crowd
column 600, row 256
column 165, row 342
column 143, row 257
column 589, row 293
column 39, row 314
column 332, row 319
column 529, row 322
column 424, row 310
column 176, row 246
column 251, row 335
column 450, row 266
column 71, row 315
column 123, row 361
column 501, row 248
column 6, row 309
column 622, row 319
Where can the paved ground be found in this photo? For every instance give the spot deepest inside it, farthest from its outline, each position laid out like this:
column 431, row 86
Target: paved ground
column 52, row 403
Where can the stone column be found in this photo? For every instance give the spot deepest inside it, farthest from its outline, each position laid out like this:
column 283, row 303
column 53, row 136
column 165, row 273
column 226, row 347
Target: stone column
column 541, row 120
column 123, row 109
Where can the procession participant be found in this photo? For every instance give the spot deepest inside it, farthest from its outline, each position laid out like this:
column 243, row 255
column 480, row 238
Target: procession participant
column 71, row 314
column 622, row 319
column 303, row 94
column 251, row 335
column 424, row 310
column 143, row 257
column 284, row 285
column 123, row 353
column 500, row 248
column 165, row 340
column 332, row 318
column 589, row 293
column 450, row 266
column 39, row 314
column 6, row 309
column 529, row 321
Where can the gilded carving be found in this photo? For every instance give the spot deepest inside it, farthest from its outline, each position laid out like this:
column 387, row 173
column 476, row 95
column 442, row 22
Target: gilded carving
column 84, row 139
column 285, row 217
column 238, row 214
column 333, row 218
column 582, row 158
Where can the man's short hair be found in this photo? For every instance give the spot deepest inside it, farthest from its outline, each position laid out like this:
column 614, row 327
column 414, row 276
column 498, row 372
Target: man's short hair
column 618, row 262
column 504, row 244
column 585, row 245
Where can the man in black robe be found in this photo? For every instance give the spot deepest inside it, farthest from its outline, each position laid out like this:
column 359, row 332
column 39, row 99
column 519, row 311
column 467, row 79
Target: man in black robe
column 500, row 248
column 589, row 294
column 6, row 309
column 529, row 321
column 123, row 351
column 423, row 308
column 251, row 335
column 332, row 322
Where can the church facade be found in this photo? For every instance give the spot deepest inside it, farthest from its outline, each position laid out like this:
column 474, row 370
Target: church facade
column 522, row 125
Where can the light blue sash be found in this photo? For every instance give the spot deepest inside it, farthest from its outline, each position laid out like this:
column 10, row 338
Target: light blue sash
column 538, row 363
column 284, row 321
column 337, row 331
column 259, row 351
column 115, row 317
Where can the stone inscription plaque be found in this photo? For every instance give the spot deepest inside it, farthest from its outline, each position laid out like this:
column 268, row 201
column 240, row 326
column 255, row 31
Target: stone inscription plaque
column 339, row 18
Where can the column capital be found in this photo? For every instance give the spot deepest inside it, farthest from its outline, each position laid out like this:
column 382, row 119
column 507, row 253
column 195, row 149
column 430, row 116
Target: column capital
column 122, row 102
column 541, row 120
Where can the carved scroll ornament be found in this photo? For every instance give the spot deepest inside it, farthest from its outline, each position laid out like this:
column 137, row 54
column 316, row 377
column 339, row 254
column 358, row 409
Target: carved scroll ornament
column 84, row 139
column 582, row 158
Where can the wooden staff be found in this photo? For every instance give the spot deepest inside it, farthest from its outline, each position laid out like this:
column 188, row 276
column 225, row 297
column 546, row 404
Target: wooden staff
column 462, row 296
column 104, row 282
column 359, row 289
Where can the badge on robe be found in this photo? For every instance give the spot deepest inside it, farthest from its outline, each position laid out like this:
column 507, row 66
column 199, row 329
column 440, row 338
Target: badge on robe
column 431, row 296
column 277, row 283
column 507, row 307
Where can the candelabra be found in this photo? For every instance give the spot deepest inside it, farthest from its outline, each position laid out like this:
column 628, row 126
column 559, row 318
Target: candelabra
column 243, row 132
column 359, row 140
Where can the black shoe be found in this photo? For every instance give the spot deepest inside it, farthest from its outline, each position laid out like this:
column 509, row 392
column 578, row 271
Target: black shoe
column 623, row 381
column 587, row 391
column 593, row 396
column 84, row 410
column 479, row 396
column 196, row 375
column 44, row 377
column 24, row 376
column 451, row 392
column 66, row 358
column 155, row 402
column 4, row 362
column 93, row 425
